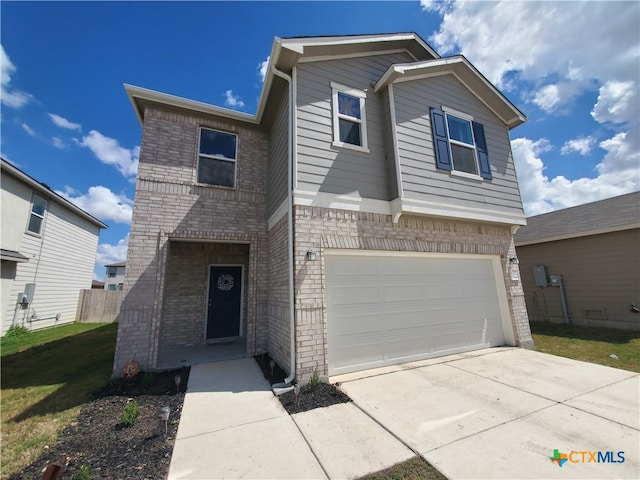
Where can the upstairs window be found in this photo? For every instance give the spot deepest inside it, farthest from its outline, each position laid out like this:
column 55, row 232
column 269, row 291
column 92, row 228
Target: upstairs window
column 38, row 207
column 217, row 158
column 111, row 272
column 349, row 117
column 460, row 144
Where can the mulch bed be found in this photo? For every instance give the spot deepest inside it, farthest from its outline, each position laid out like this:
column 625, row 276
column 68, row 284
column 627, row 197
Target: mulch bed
column 310, row 397
column 98, row 440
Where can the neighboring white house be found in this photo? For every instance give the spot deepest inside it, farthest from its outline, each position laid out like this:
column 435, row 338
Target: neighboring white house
column 48, row 252
column 114, row 278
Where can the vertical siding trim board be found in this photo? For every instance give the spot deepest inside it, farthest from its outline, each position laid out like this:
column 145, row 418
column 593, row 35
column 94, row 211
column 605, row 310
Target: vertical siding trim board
column 293, row 85
column 394, row 137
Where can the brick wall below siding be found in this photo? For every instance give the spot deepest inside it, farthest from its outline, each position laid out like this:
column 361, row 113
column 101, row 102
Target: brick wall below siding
column 321, row 228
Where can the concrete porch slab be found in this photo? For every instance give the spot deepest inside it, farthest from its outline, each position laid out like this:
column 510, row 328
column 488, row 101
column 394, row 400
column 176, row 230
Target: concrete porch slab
column 348, row 443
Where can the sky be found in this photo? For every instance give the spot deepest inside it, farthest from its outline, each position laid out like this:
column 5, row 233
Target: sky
column 572, row 67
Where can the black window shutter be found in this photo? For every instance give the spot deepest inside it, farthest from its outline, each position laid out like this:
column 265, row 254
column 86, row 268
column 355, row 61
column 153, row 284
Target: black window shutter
column 440, row 139
column 481, row 150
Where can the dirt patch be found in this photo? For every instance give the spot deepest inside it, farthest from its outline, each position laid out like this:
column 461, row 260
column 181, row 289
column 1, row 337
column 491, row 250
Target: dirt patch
column 310, row 397
column 98, row 443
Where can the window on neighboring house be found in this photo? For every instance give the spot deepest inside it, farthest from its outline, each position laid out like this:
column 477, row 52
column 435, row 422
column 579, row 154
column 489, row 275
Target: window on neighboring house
column 460, row 144
column 111, row 272
column 349, row 117
column 38, row 207
column 112, row 287
column 217, row 158
column 120, row 286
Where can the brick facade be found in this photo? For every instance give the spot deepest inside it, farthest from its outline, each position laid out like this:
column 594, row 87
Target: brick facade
column 179, row 228
column 323, row 228
column 171, row 207
column 279, row 324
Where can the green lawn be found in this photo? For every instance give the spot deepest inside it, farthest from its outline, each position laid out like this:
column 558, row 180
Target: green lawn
column 414, row 469
column 46, row 378
column 589, row 344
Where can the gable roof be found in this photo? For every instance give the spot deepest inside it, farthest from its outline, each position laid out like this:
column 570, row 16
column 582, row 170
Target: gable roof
column 285, row 54
column 610, row 215
column 288, row 52
column 468, row 75
column 43, row 189
column 119, row 264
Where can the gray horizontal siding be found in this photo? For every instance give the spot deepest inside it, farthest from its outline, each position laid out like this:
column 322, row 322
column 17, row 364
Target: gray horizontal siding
column 278, row 157
column 322, row 167
column 421, row 180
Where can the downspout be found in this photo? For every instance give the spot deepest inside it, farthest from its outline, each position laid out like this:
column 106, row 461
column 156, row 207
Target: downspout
column 280, row 388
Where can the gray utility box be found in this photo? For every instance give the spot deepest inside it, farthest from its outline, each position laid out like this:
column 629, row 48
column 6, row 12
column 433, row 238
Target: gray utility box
column 555, row 280
column 540, row 276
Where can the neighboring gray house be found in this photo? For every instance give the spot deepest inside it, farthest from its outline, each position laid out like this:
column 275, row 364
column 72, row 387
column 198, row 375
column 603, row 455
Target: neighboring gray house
column 362, row 217
column 114, row 276
column 595, row 250
column 42, row 270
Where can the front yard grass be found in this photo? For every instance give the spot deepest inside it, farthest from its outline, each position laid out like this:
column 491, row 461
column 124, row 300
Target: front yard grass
column 589, row 344
column 415, row 468
column 46, row 378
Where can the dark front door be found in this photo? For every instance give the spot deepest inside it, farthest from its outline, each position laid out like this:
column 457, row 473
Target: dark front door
column 225, row 302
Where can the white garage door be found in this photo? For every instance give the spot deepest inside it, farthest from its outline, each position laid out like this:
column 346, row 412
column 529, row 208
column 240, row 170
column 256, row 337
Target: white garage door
column 384, row 309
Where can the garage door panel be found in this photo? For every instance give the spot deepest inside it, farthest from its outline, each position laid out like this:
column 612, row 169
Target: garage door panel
column 399, row 293
column 388, row 309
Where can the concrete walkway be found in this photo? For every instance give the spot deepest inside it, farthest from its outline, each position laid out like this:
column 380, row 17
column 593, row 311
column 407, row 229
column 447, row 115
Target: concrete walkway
column 233, row 427
column 495, row 413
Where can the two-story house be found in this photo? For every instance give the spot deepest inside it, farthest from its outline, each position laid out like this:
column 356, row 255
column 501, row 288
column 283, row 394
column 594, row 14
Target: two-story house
column 114, row 276
column 48, row 252
column 364, row 216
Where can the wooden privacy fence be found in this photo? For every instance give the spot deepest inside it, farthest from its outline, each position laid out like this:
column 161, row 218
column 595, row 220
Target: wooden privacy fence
column 98, row 306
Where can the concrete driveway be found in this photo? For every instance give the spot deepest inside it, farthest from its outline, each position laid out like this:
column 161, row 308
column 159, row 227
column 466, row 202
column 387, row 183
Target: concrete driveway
column 502, row 413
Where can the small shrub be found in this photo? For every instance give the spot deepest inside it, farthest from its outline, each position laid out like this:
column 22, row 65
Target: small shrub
column 148, row 379
column 83, row 473
column 131, row 413
column 314, row 381
column 16, row 331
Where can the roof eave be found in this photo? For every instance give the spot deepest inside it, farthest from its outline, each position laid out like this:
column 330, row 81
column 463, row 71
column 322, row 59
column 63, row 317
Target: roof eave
column 456, row 65
column 33, row 183
column 137, row 94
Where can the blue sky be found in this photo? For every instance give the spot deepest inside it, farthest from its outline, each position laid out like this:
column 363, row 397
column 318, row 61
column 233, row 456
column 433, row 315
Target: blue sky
column 573, row 68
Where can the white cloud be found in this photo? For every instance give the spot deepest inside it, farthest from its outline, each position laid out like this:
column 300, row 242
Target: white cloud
column 28, row 129
column 109, row 151
column 550, row 97
column 58, row 142
column 63, row 122
column 108, row 253
column 618, row 102
column 9, row 96
column 581, row 145
column 542, row 194
column 551, row 53
column 536, row 39
column 262, row 68
column 102, row 203
column 233, row 100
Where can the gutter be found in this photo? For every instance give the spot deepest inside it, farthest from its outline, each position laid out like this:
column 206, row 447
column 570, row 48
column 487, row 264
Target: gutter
column 285, row 386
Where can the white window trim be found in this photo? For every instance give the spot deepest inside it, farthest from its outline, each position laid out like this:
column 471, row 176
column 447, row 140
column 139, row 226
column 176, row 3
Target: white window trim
column 32, row 213
column 362, row 95
column 217, row 157
column 464, row 116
